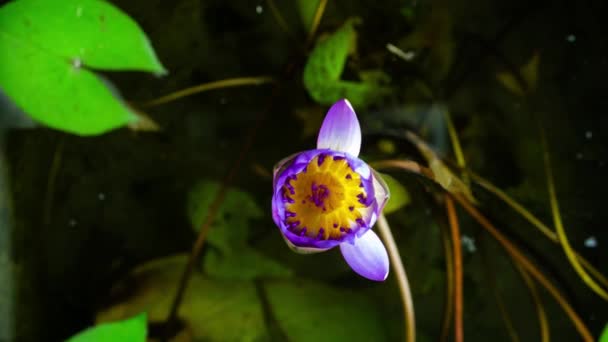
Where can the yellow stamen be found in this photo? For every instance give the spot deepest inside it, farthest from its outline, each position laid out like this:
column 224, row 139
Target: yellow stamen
column 327, row 198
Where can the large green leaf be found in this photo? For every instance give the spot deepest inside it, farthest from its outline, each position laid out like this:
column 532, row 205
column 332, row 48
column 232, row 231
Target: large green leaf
column 45, row 49
column 323, row 71
column 238, row 310
column 133, row 329
column 95, row 32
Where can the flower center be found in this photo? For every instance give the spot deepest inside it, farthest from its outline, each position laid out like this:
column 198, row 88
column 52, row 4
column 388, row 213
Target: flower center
column 324, row 201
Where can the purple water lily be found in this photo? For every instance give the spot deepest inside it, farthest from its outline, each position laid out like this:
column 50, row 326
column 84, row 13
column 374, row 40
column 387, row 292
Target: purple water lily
column 327, row 197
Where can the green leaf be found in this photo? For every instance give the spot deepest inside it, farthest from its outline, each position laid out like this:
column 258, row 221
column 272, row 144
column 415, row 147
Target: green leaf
column 231, row 257
column 212, row 310
column 238, row 310
column 604, row 336
column 399, row 195
column 230, row 227
column 325, row 66
column 94, row 32
column 308, row 311
column 130, row 330
column 45, row 47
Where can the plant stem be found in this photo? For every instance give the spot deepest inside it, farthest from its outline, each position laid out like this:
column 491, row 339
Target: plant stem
column 227, row 83
column 457, row 259
column 527, row 265
column 316, row 20
column 404, row 286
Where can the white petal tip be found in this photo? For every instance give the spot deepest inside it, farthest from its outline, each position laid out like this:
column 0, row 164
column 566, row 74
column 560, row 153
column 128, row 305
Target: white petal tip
column 340, row 130
column 367, row 256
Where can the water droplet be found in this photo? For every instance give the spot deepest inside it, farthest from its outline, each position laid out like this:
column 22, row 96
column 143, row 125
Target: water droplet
column 101, row 196
column 468, row 243
column 72, row 222
column 588, row 135
column 571, row 38
column 259, row 9
column 591, row 242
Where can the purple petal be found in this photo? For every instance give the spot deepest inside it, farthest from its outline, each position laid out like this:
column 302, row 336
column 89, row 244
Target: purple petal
column 340, row 130
column 367, row 256
column 381, row 190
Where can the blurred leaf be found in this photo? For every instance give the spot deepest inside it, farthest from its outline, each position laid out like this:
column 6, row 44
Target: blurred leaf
column 386, row 146
column 443, row 175
column 212, row 310
column 449, row 181
column 45, row 49
column 232, row 258
column 399, row 195
column 130, row 330
column 307, row 9
column 325, row 66
column 604, row 335
column 232, row 310
column 230, row 227
column 245, row 264
column 309, row 311
column 529, row 73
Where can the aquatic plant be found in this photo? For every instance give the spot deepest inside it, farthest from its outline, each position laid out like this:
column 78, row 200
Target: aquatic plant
column 327, row 197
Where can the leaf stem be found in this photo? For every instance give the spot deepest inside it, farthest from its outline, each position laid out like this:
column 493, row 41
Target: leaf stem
column 226, row 83
column 457, row 260
column 527, row 265
column 404, row 286
column 559, row 226
column 316, row 20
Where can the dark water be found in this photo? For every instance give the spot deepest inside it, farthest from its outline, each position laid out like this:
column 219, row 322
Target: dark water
column 78, row 214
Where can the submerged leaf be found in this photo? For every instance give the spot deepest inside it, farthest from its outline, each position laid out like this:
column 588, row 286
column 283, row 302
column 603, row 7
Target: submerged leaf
column 399, row 195
column 130, row 330
column 529, row 75
column 212, row 310
column 323, row 71
column 308, row 311
column 231, row 257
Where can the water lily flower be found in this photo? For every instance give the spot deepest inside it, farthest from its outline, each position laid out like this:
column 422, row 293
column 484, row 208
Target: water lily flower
column 327, row 197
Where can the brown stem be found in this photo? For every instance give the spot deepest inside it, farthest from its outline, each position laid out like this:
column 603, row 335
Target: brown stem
column 525, row 263
column 457, row 259
column 404, row 285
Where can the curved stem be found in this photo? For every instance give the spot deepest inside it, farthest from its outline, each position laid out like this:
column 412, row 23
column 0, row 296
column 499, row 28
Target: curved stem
column 278, row 16
column 227, row 83
column 457, row 259
column 543, row 323
column 559, row 226
column 526, row 214
column 404, row 286
column 527, row 265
